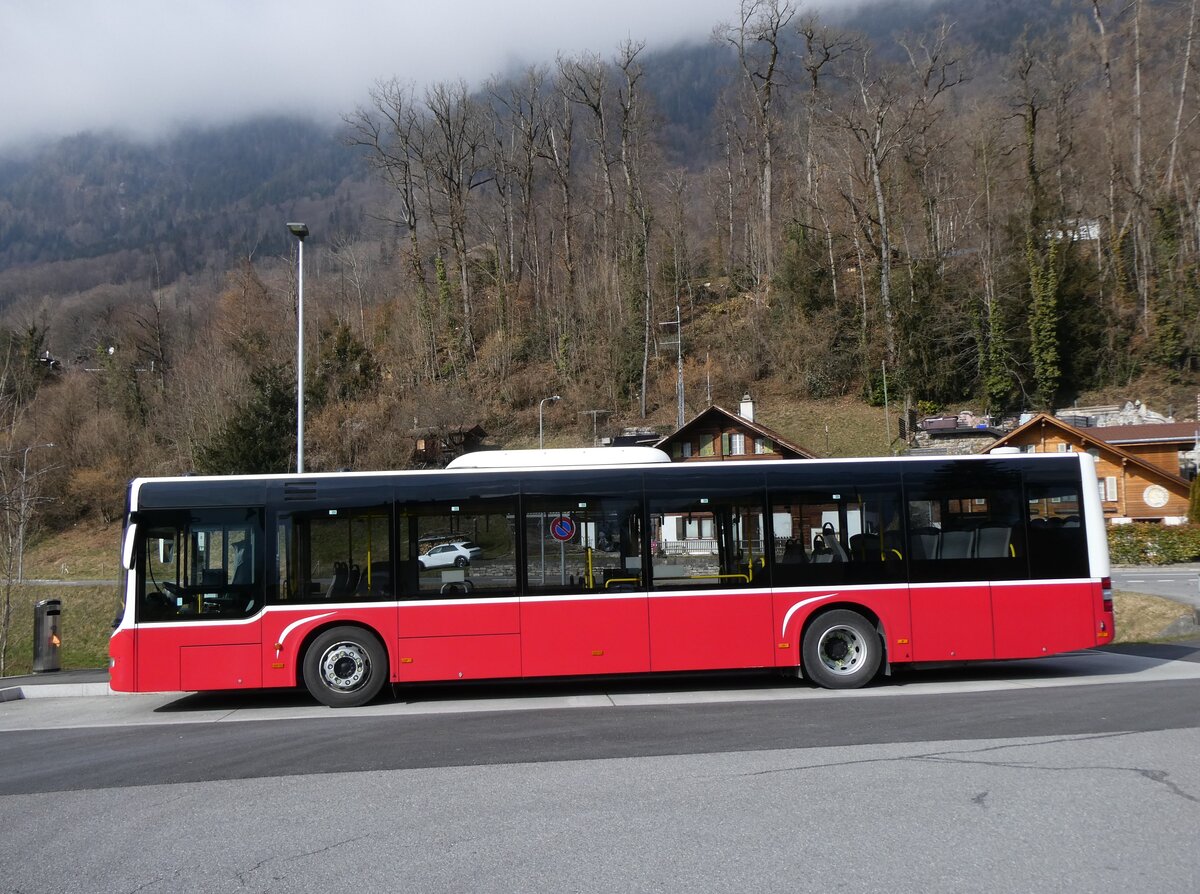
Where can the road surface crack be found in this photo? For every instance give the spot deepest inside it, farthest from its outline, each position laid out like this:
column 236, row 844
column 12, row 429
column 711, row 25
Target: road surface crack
column 243, row 875
column 973, row 756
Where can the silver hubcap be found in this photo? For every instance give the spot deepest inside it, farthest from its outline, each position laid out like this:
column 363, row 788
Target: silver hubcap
column 841, row 650
column 345, row 667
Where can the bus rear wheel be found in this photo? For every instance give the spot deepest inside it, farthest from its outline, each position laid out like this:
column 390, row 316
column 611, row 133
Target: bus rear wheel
column 345, row 667
column 841, row 650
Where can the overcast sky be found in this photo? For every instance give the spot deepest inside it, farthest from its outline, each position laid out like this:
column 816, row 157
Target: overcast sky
column 142, row 66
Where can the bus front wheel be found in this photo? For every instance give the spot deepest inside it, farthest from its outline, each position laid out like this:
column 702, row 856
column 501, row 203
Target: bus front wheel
column 345, row 667
column 841, row 650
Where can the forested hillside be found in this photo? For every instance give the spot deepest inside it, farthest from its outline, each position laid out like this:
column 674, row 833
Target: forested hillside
column 993, row 203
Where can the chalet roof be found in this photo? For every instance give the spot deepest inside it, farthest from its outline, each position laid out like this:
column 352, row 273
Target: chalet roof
column 719, row 417
column 1161, row 433
column 1088, row 437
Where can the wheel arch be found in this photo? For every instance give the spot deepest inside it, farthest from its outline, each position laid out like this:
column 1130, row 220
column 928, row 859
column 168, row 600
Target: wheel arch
column 857, row 607
column 318, row 629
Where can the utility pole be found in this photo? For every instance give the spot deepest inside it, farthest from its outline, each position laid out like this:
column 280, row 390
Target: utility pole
column 678, row 324
column 594, row 414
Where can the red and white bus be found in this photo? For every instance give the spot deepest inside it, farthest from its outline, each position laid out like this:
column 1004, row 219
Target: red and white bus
column 533, row 564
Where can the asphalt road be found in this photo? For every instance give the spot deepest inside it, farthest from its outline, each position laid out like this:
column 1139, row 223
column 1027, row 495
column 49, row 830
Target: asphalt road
column 1178, row 582
column 1073, row 773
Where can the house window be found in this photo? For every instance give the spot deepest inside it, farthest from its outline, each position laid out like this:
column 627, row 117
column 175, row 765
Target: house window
column 1064, row 448
column 1108, row 489
column 737, row 444
column 686, row 449
column 763, row 445
column 708, row 447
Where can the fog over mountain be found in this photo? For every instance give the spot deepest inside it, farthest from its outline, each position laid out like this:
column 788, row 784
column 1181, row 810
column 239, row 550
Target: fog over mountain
column 143, row 67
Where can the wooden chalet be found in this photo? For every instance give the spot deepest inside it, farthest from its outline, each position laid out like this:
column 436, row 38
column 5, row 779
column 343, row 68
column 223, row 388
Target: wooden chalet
column 433, row 448
column 1170, row 446
column 716, row 434
column 1133, row 485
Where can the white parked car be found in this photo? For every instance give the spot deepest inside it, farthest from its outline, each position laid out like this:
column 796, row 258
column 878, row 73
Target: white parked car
column 445, row 555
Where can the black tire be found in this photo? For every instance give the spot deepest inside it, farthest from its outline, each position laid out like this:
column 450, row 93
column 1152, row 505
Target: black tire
column 345, row 667
column 841, row 650
column 460, row 562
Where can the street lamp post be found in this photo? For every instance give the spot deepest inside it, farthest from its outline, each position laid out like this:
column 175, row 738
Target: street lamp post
column 23, row 517
column 541, row 405
column 300, row 231
column 678, row 324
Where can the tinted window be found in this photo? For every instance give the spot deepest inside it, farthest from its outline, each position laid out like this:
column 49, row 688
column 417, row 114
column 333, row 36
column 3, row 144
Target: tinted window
column 964, row 523
column 583, row 532
column 456, row 548
column 203, row 564
column 707, row 531
column 1057, row 540
column 831, row 533
column 335, row 555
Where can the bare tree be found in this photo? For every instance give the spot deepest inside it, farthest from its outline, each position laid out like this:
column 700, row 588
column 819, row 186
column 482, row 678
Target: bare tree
column 453, row 158
column 390, row 132
column 632, row 139
column 756, row 37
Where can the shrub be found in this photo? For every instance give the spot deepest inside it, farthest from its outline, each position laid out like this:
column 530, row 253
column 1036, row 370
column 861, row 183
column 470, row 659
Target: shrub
column 1151, row 544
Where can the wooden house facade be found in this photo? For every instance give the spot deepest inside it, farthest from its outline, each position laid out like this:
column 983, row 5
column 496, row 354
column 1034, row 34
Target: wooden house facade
column 1132, row 486
column 716, row 434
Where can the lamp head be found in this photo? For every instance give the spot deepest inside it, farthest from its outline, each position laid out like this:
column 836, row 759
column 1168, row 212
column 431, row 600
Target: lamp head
column 298, row 230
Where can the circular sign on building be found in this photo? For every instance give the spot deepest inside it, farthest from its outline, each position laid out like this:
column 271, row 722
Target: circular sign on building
column 1156, row 496
column 562, row 528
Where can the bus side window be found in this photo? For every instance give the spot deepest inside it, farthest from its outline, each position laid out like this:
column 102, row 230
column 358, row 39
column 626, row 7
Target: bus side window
column 964, row 527
column 580, row 543
column 458, row 549
column 206, row 564
column 338, row 555
column 839, row 535
column 708, row 539
column 1057, row 539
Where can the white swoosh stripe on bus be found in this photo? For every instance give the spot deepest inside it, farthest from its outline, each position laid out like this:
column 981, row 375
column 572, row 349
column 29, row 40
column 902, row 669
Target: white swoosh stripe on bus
column 292, row 626
column 799, row 605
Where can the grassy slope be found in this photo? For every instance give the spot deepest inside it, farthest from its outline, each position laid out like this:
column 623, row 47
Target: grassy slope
column 85, row 625
column 82, row 552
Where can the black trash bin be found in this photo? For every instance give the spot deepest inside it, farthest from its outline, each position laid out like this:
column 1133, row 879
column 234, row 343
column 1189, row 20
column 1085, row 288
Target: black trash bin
column 47, row 636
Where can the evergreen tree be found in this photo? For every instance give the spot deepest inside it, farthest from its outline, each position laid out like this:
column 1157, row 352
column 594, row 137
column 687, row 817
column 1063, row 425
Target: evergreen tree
column 258, row 438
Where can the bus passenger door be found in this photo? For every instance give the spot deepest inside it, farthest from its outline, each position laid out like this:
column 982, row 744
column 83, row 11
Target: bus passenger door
column 585, row 609
column 459, row 616
column 964, row 534
column 1053, row 611
column 200, row 601
column 710, row 606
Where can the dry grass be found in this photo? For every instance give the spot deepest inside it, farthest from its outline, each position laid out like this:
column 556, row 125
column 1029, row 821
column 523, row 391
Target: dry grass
column 85, row 625
column 1142, row 618
column 854, row 429
column 82, row 552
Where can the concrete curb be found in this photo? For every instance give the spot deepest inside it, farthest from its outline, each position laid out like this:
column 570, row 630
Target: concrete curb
column 55, row 690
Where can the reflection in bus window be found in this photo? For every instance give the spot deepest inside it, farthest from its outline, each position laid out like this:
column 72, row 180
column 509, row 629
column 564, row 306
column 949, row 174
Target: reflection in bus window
column 965, row 527
column 336, row 555
column 1057, row 541
column 708, row 540
column 579, row 543
column 458, row 548
column 849, row 534
column 205, row 564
